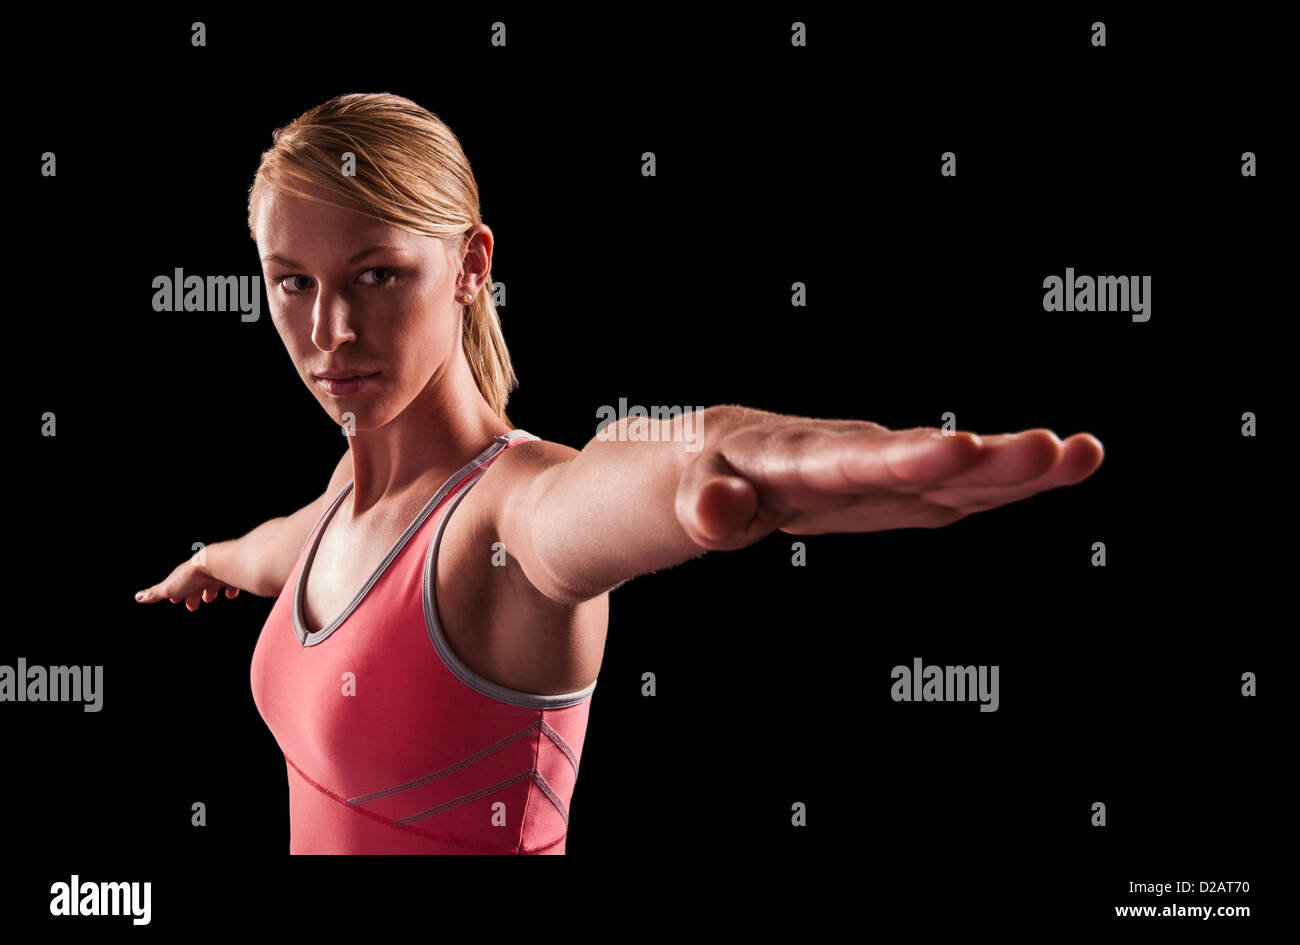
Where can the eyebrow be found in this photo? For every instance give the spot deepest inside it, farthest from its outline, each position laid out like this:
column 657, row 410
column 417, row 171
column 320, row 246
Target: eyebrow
column 357, row 258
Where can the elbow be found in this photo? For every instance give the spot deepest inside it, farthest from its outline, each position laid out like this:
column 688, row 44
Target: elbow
column 544, row 565
column 555, row 584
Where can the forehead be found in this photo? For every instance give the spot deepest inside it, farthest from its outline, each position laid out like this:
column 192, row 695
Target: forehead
column 297, row 227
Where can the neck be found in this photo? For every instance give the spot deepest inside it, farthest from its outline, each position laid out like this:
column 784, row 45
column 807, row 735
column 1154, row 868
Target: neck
column 443, row 428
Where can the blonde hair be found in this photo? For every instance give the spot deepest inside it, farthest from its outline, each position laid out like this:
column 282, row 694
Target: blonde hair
column 412, row 173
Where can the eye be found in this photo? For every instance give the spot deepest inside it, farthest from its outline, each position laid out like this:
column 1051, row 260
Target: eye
column 388, row 274
column 296, row 289
column 283, row 279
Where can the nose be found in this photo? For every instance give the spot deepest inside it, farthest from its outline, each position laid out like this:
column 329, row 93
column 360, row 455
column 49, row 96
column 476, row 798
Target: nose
column 331, row 320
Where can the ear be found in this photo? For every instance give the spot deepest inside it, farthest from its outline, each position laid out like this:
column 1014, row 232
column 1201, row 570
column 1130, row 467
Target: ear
column 475, row 263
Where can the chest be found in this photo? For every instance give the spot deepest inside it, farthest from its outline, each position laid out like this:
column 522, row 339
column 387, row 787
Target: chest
column 492, row 617
column 346, row 559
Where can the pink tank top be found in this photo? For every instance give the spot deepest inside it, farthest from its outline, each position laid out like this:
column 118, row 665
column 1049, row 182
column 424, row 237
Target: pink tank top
column 391, row 743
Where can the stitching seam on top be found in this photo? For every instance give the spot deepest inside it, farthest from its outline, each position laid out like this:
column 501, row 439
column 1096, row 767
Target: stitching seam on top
column 420, row 831
column 463, row 763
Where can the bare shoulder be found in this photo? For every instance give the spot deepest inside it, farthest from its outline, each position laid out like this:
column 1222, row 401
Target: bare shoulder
column 502, row 506
column 519, row 474
column 535, row 455
column 510, row 623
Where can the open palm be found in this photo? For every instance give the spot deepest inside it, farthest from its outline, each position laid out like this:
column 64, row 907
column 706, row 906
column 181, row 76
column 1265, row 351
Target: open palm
column 808, row 477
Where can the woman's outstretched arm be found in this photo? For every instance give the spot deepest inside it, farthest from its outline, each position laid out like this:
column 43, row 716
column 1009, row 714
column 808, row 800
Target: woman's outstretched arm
column 646, row 494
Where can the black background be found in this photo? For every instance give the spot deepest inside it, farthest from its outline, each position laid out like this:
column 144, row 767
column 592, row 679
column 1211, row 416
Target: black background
column 775, row 165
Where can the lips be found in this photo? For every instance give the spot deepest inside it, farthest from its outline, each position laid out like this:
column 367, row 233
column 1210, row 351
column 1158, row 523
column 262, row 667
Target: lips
column 345, row 375
column 345, row 386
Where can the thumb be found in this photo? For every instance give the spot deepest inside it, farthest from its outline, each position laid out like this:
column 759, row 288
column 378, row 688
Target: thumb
column 716, row 506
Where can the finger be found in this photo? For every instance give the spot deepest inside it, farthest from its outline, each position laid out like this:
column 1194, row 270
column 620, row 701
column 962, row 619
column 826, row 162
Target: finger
column 210, row 593
column 719, row 514
column 152, row 594
column 1081, row 454
column 714, row 505
column 724, row 507
column 877, row 510
column 899, row 458
column 191, row 604
column 855, row 462
column 927, row 455
column 231, row 592
column 1010, row 459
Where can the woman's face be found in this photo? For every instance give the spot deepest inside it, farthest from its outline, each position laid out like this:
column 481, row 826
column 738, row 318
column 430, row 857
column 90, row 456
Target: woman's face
column 350, row 296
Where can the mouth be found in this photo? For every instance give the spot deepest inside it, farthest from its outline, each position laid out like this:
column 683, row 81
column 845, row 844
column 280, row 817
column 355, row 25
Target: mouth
column 345, row 386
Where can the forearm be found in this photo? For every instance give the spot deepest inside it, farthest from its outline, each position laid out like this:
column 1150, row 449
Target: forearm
column 609, row 515
column 239, row 561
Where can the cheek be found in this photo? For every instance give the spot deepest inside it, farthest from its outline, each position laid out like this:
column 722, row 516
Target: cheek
column 421, row 328
column 284, row 328
column 282, row 322
column 296, row 340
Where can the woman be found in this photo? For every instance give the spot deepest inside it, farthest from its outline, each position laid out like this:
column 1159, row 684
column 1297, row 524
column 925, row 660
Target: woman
column 428, row 675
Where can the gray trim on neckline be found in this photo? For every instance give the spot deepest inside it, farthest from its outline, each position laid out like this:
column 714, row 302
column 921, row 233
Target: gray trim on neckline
column 312, row 637
column 486, row 687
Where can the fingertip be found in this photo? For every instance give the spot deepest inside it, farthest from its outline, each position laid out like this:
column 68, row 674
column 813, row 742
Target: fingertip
column 1053, row 448
column 1088, row 438
column 958, row 436
column 964, row 451
column 970, row 442
column 1083, row 454
column 1042, row 432
column 935, row 457
column 724, row 506
column 1096, row 448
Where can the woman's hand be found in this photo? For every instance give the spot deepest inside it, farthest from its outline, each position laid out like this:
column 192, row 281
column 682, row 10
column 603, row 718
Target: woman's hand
column 189, row 583
column 808, row 477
